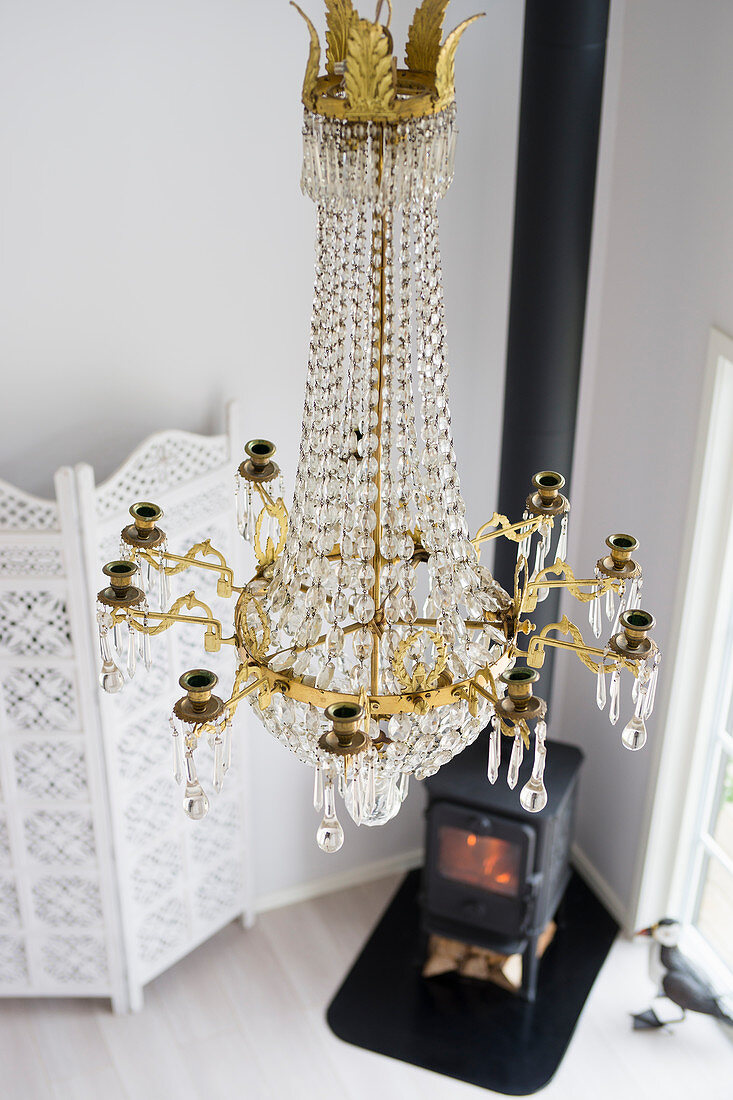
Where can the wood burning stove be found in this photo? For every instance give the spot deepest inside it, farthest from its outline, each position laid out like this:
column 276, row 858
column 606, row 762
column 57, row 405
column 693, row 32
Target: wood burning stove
column 494, row 873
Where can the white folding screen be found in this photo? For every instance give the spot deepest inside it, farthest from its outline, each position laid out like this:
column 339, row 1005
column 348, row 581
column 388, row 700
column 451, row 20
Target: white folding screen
column 59, row 934
column 129, row 881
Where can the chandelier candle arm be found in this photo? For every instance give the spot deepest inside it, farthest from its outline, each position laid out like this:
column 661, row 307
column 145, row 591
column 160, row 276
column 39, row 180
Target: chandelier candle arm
column 337, row 659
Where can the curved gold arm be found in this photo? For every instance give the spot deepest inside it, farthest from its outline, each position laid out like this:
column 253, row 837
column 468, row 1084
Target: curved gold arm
column 516, row 532
column 213, row 638
column 567, row 580
column 536, row 650
column 226, row 573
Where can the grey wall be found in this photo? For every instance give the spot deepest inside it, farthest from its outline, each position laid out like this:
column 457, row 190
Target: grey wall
column 157, row 255
column 662, row 275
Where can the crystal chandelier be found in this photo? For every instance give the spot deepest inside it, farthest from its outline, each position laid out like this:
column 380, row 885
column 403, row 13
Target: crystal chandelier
column 372, row 642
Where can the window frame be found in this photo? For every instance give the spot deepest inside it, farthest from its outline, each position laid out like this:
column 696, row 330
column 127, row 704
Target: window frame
column 685, row 752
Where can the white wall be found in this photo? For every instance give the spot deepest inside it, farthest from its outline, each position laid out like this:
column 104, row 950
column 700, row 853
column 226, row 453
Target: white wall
column 662, row 275
column 157, row 257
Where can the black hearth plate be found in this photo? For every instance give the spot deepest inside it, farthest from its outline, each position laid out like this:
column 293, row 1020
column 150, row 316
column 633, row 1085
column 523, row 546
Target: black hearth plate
column 460, row 1027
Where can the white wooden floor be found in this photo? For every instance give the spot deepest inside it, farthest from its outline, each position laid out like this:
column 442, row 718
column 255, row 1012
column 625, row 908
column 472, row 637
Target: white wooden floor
column 243, row 1019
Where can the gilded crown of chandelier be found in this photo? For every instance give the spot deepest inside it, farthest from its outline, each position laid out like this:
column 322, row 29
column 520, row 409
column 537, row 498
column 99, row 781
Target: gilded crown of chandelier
column 372, row 641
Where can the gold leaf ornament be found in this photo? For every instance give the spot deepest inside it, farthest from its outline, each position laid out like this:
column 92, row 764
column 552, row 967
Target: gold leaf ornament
column 424, row 35
column 421, row 678
column 314, row 60
column 279, row 512
column 536, row 650
column 445, row 68
column 257, row 647
column 340, row 15
column 369, row 80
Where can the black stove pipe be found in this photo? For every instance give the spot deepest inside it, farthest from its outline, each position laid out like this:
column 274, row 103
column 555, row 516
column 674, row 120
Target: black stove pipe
column 560, row 113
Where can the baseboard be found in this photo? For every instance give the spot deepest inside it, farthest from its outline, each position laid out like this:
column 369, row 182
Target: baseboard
column 406, row 861
column 357, row 876
column 598, row 884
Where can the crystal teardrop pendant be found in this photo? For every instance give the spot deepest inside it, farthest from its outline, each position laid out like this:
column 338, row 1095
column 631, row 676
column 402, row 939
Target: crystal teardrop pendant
column 610, row 605
column 195, row 802
column 110, row 678
column 634, row 734
column 533, row 795
column 515, row 761
column 601, row 686
column 614, row 692
column 330, row 834
column 492, row 770
column 594, row 615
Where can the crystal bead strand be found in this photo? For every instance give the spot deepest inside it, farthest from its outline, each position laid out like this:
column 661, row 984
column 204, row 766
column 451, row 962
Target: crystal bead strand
column 354, row 515
column 453, row 558
column 324, row 452
column 400, row 499
column 458, row 576
column 291, row 556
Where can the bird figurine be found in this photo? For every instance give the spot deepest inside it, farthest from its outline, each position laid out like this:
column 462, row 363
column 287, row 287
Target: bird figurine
column 677, row 979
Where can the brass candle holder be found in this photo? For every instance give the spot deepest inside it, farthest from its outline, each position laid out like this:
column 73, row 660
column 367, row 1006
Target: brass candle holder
column 346, row 738
column 143, row 532
column 633, row 642
column 520, row 702
column 547, row 500
column 121, row 592
column 198, row 705
column 619, row 563
column 259, row 465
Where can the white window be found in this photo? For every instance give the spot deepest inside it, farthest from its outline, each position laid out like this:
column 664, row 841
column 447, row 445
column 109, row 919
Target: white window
column 708, row 892
column 687, row 866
